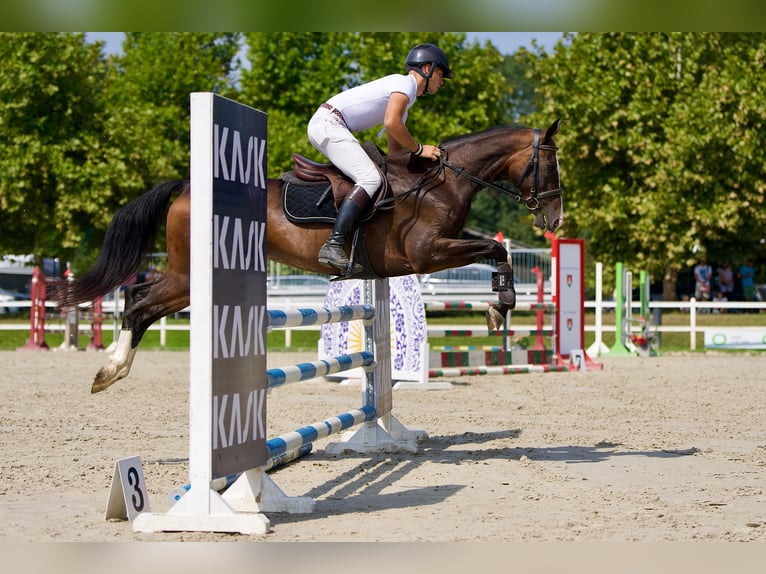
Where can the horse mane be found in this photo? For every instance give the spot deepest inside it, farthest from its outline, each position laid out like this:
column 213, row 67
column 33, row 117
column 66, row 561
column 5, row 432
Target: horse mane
column 485, row 132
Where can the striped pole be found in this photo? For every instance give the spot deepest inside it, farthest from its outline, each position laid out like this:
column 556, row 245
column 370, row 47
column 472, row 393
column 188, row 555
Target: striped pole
column 222, row 483
column 436, row 332
column 279, row 318
column 457, row 305
column 304, row 371
column 305, row 435
column 483, row 306
column 496, row 370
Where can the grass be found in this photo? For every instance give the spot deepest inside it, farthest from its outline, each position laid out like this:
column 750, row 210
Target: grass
column 174, row 340
column 307, row 340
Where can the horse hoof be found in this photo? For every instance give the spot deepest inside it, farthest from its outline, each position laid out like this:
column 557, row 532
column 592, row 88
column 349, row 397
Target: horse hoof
column 102, row 381
column 495, row 319
column 508, row 298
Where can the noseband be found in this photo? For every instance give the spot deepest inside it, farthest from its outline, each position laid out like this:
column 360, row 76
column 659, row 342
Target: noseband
column 533, row 167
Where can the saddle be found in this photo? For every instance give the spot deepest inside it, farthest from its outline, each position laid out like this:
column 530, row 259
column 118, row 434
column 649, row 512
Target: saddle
column 312, row 192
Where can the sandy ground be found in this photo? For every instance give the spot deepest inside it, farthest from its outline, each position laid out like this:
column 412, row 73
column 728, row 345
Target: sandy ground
column 649, row 449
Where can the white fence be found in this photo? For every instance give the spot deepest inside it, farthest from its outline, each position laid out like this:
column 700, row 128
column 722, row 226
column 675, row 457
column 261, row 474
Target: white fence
column 693, row 308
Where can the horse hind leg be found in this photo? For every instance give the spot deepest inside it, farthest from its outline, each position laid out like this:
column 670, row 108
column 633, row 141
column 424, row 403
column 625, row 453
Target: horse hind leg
column 144, row 304
column 119, row 364
column 121, row 358
column 124, row 352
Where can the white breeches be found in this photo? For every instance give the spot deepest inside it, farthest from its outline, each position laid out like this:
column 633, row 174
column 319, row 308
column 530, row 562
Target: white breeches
column 331, row 137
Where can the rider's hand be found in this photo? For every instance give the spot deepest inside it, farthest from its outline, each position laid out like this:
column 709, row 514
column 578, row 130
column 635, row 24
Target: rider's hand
column 431, row 152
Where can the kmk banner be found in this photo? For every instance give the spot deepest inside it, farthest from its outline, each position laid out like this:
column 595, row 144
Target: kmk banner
column 238, row 288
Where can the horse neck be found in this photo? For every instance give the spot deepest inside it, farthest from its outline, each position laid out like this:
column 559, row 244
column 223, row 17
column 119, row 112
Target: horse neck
column 493, row 154
column 485, row 155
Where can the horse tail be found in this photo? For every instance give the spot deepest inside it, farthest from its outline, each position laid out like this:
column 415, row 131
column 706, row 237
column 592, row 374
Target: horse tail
column 129, row 238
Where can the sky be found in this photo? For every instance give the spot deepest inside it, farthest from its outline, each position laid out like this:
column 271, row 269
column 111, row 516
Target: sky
column 509, row 42
column 505, row 42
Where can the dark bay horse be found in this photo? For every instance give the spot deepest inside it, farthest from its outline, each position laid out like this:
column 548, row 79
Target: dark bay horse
column 420, row 234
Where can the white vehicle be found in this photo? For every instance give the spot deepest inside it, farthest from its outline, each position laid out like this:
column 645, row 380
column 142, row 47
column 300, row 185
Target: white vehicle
column 9, row 297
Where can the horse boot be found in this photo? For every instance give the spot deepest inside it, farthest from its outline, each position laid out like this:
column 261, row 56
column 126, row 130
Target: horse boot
column 333, row 252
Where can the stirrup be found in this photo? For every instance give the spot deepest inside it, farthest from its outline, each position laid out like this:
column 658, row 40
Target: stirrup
column 345, row 268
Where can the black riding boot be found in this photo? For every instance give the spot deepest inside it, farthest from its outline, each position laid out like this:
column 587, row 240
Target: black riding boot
column 333, row 252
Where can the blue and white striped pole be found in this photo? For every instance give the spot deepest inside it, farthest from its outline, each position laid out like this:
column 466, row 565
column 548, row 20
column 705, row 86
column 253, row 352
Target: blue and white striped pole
column 310, row 370
column 221, row 484
column 279, row 318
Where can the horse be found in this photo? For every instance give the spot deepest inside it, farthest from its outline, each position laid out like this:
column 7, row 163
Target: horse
column 417, row 232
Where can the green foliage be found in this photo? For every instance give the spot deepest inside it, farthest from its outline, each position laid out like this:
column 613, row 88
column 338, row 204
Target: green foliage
column 659, row 148
column 49, row 87
column 82, row 135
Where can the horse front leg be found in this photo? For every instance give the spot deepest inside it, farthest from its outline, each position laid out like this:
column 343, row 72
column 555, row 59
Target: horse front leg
column 458, row 252
column 502, row 283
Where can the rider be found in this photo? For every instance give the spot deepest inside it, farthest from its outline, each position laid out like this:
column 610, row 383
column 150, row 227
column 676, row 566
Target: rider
column 383, row 101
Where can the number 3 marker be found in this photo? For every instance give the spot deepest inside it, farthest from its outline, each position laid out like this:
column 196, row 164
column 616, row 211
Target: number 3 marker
column 127, row 496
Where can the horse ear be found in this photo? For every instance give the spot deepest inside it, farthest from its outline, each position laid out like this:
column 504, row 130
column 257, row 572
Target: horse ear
column 553, row 130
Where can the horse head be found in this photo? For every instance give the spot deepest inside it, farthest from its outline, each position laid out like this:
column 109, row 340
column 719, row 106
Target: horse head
column 524, row 156
column 540, row 184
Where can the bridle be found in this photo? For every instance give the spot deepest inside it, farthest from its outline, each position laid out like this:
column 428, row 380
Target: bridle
column 533, row 167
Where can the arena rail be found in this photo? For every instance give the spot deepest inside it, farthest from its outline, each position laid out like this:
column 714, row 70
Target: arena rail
column 594, row 324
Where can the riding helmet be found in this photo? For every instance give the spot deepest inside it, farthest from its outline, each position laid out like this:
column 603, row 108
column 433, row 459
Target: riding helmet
column 428, row 54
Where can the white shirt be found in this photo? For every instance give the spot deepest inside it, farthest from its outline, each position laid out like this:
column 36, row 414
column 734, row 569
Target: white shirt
column 364, row 107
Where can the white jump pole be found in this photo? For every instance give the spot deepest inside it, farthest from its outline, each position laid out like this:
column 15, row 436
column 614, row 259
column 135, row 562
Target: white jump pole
column 598, row 347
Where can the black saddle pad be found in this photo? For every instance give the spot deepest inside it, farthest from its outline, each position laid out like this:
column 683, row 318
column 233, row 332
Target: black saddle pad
column 308, row 202
column 311, row 202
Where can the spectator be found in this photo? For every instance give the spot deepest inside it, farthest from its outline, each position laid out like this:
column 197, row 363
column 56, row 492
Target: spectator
column 720, row 297
column 151, row 274
column 746, row 275
column 702, row 275
column 129, row 282
column 726, row 279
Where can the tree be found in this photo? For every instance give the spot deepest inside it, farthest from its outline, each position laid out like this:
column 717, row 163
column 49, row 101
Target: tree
column 520, row 101
column 145, row 126
column 148, row 96
column 49, row 85
column 658, row 145
column 83, row 135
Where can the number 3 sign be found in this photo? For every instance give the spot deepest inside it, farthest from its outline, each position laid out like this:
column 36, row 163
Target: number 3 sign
column 127, row 496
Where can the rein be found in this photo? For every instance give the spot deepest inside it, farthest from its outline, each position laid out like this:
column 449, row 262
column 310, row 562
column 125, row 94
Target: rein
column 427, row 177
